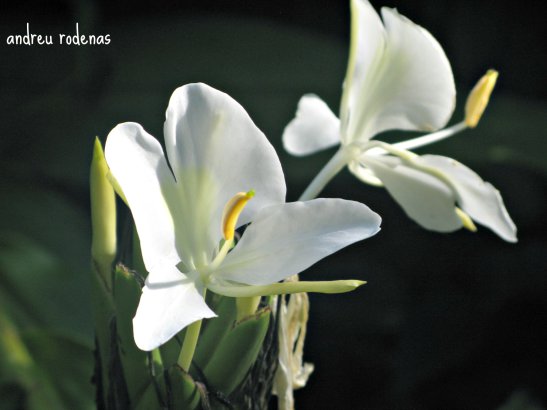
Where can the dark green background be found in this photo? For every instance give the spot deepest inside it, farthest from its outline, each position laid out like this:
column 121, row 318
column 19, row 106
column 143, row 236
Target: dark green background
column 446, row 321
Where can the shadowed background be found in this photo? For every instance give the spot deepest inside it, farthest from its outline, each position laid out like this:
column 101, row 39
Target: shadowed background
column 446, row 321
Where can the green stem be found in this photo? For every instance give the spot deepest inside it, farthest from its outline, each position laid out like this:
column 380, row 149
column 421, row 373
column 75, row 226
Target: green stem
column 189, row 345
column 335, row 165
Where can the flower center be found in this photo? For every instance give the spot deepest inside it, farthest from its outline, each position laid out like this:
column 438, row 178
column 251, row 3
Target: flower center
column 230, row 215
column 232, row 210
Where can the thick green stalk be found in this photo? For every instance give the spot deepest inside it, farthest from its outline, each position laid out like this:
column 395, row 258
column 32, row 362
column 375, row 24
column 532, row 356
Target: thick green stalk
column 189, row 345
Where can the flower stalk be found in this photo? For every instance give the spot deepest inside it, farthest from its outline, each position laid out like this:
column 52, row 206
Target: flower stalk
column 189, row 345
column 329, row 171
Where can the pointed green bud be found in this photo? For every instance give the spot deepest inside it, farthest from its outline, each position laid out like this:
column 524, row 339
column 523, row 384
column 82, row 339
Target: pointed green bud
column 103, row 252
column 103, row 215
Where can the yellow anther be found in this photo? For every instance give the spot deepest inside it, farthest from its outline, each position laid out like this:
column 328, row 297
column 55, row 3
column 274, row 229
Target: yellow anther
column 478, row 98
column 231, row 213
column 466, row 220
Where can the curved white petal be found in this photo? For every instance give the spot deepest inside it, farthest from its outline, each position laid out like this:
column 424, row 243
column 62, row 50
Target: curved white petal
column 367, row 44
column 424, row 198
column 136, row 160
column 167, row 307
column 216, row 151
column 409, row 84
column 283, row 240
column 479, row 199
column 314, row 128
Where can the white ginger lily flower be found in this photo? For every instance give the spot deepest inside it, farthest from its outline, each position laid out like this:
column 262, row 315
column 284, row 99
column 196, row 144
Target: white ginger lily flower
column 398, row 77
column 186, row 211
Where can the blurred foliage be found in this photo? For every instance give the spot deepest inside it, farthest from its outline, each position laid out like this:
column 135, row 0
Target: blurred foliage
column 446, row 321
column 45, row 330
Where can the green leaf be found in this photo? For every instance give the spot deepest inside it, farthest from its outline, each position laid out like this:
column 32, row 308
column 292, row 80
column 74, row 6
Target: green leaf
column 237, row 352
column 46, row 327
column 215, row 330
column 153, row 396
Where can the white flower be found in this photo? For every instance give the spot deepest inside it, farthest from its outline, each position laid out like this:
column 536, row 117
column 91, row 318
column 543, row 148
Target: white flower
column 222, row 174
column 398, row 77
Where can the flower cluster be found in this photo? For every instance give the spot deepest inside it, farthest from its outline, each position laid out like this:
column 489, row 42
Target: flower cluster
column 211, row 216
column 398, row 77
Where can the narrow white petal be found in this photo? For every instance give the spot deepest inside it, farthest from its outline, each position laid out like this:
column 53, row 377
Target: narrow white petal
column 136, row 160
column 409, row 87
column 476, row 197
column 424, row 198
column 166, row 308
column 283, row 240
column 216, row 150
column 314, row 128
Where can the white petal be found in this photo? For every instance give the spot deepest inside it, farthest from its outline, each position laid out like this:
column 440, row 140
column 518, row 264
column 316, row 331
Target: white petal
column 368, row 39
column 283, row 240
column 409, row 85
column 216, row 151
column 477, row 198
column 424, row 198
column 166, row 308
column 314, row 128
column 136, row 160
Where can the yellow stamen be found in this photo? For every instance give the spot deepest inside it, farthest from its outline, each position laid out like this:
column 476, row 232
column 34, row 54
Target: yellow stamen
column 466, row 220
column 478, row 98
column 231, row 213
